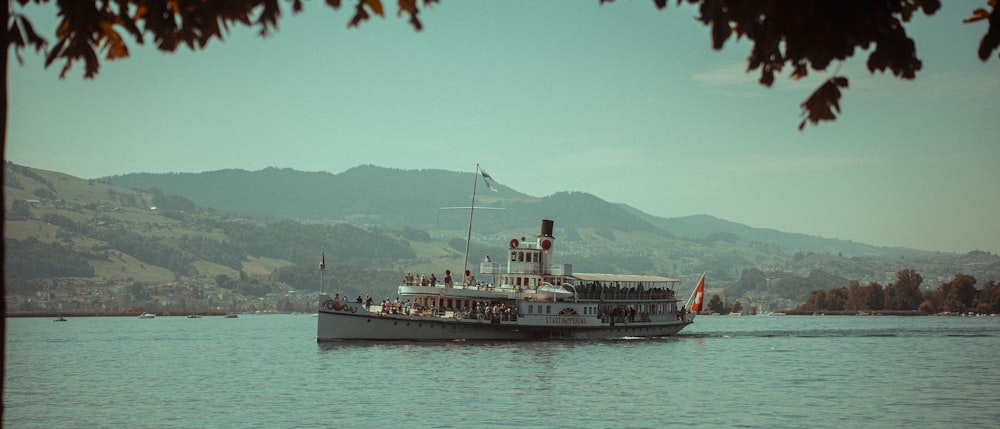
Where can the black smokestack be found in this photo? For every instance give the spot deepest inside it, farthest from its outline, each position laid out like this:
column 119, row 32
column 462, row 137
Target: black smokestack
column 547, row 228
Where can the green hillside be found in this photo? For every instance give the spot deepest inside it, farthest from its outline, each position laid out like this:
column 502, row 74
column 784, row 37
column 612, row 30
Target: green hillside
column 261, row 232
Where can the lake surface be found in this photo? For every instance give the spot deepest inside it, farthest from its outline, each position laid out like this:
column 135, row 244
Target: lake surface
column 268, row 372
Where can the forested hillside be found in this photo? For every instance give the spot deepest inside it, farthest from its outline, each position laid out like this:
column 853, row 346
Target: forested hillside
column 375, row 224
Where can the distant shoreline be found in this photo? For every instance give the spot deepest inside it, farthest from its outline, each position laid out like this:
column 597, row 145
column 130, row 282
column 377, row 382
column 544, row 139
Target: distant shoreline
column 52, row 314
column 68, row 314
column 857, row 313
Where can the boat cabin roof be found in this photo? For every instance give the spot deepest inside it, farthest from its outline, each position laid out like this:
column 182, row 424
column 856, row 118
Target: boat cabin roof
column 622, row 278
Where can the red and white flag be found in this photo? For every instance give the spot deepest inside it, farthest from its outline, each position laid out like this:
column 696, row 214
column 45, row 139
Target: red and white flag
column 699, row 296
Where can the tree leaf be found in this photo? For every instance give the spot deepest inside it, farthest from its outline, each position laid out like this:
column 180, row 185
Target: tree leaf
column 376, row 6
column 55, row 52
column 824, row 102
column 30, row 36
column 360, row 15
column 114, row 46
column 991, row 40
column 977, row 15
column 15, row 36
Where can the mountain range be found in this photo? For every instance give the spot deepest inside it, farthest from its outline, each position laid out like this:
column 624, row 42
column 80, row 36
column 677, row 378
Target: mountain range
column 370, row 195
column 375, row 223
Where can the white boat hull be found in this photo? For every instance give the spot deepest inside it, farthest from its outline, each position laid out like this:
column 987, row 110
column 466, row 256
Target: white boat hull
column 353, row 322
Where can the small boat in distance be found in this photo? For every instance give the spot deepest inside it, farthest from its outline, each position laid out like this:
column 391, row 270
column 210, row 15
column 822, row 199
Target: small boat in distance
column 147, row 316
column 231, row 316
column 59, row 319
column 194, row 316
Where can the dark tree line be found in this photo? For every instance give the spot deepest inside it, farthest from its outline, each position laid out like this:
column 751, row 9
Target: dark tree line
column 222, row 252
column 718, row 305
column 33, row 259
column 339, row 278
column 163, row 201
column 786, row 285
column 147, row 250
column 247, row 285
column 10, row 176
column 905, row 295
column 286, row 240
column 301, row 243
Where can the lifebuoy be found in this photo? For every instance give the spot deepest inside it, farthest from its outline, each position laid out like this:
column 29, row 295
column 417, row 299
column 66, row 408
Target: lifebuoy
column 546, row 244
column 514, row 243
column 328, row 304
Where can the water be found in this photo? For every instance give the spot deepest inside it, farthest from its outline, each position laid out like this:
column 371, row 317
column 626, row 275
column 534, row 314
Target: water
column 268, row 372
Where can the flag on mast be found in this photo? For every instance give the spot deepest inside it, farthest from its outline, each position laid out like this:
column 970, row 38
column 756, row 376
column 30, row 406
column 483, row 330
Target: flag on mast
column 322, row 262
column 486, row 179
column 698, row 296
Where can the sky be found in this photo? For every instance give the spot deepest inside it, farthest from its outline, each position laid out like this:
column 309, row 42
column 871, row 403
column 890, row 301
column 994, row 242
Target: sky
column 620, row 100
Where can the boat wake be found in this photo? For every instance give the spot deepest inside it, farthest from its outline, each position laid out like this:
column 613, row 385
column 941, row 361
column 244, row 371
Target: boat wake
column 836, row 333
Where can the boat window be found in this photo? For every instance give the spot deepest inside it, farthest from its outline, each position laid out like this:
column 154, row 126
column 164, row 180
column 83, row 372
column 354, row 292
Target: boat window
column 531, row 308
column 548, row 309
column 513, row 256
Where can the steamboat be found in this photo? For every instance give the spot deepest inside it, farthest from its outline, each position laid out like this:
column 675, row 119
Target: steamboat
column 525, row 296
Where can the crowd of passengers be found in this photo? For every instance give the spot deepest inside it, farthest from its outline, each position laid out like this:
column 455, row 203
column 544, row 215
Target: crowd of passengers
column 597, row 290
column 629, row 314
column 480, row 310
column 483, row 310
column 411, row 279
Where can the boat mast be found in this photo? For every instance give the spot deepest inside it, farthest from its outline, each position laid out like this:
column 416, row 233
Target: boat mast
column 322, row 269
column 468, row 234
